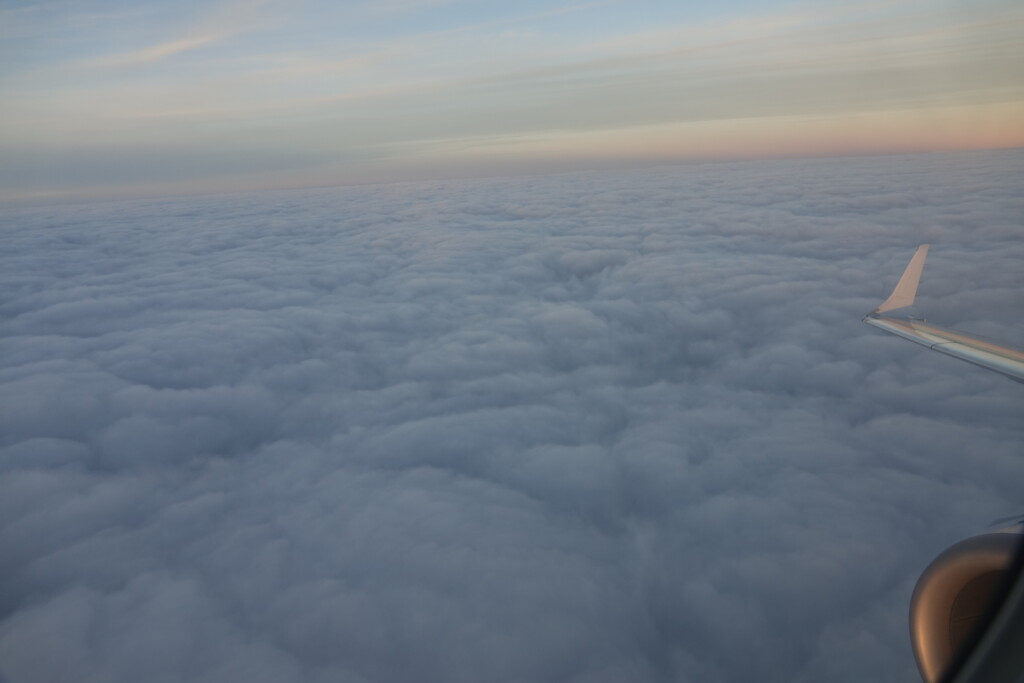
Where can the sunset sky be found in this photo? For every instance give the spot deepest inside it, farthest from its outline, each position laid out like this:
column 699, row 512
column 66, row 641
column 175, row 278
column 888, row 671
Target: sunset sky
column 163, row 97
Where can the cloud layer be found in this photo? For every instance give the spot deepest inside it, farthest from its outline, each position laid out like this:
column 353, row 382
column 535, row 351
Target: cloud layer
column 595, row 427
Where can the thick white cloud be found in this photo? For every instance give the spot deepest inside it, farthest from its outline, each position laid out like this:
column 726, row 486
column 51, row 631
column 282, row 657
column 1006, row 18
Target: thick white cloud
column 597, row 427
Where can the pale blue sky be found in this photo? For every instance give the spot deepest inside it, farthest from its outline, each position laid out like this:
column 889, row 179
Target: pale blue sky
column 117, row 97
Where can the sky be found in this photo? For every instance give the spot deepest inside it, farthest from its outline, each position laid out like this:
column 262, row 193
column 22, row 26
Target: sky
column 103, row 98
column 617, row 425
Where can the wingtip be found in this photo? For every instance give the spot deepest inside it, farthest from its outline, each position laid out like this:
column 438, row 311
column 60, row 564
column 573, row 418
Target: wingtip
column 906, row 289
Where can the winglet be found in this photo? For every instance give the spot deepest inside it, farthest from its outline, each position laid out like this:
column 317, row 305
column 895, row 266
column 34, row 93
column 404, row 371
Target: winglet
column 906, row 288
column 1001, row 359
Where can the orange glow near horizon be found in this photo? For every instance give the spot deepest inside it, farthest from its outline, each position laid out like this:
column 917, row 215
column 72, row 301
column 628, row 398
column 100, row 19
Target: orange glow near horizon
column 974, row 127
column 964, row 128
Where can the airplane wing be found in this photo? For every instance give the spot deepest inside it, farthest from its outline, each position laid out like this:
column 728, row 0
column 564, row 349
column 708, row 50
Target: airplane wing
column 1005, row 361
column 967, row 611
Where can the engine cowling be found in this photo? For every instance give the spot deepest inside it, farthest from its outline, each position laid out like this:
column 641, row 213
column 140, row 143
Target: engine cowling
column 957, row 596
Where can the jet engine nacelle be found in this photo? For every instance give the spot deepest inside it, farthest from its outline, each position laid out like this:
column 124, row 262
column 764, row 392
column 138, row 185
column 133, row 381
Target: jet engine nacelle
column 957, row 599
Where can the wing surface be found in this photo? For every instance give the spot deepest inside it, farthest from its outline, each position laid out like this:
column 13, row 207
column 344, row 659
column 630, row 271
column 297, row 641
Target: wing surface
column 1001, row 359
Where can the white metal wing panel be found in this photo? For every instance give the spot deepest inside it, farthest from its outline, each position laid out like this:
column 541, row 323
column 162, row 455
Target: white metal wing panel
column 1005, row 361
column 1001, row 359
